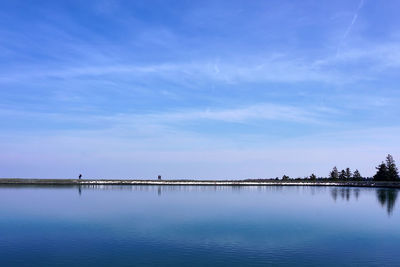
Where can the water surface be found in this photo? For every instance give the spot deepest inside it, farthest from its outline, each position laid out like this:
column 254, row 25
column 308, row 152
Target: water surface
column 198, row 226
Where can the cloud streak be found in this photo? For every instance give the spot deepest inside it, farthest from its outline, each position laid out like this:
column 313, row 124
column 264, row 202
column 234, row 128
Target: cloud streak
column 241, row 115
column 270, row 69
column 348, row 30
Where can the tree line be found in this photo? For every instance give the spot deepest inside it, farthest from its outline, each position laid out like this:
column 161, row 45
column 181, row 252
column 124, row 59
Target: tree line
column 386, row 171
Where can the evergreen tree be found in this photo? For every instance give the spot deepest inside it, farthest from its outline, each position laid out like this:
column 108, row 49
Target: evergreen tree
column 348, row 173
column 334, row 173
column 382, row 173
column 342, row 175
column 357, row 175
column 313, row 177
column 388, row 171
column 285, row 177
column 391, row 168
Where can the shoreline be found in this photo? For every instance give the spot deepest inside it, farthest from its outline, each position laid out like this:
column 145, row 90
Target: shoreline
column 60, row 182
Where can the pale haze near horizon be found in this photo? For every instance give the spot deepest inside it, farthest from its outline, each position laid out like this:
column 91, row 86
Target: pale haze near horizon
column 187, row 89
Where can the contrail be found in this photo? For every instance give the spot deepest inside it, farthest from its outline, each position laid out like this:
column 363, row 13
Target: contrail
column 360, row 5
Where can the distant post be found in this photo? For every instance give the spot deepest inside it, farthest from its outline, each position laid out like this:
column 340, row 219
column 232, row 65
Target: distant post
column 159, row 177
column 80, row 176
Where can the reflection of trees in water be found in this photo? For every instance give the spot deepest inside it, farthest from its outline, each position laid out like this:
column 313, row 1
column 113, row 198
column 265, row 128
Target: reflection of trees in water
column 356, row 193
column 344, row 193
column 334, row 193
column 387, row 197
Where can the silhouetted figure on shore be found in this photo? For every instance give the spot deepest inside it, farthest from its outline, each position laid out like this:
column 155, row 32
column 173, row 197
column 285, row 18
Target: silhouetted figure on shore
column 80, row 176
column 159, row 177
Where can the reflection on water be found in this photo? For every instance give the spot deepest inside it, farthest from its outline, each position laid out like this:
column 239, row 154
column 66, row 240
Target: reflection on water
column 112, row 225
column 344, row 193
column 386, row 196
column 191, row 188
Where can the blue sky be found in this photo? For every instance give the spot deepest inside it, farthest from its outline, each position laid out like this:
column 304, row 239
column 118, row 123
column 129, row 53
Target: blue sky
column 197, row 89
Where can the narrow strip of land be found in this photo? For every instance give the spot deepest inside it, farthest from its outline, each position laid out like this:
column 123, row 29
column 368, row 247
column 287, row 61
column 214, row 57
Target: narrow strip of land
column 259, row 182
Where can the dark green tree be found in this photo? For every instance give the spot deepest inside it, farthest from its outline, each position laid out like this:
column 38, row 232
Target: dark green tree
column 382, row 173
column 342, row 175
column 388, row 171
column 285, row 177
column 334, row 174
column 357, row 175
column 313, row 177
column 393, row 173
column 348, row 173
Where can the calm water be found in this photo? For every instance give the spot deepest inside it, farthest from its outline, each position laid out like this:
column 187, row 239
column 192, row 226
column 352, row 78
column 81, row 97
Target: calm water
column 198, row 226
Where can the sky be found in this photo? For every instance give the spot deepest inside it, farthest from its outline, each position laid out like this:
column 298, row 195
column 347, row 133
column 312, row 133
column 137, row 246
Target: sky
column 197, row 89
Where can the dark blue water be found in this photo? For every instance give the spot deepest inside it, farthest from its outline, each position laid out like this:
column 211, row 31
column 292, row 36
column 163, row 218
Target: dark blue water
column 198, row 226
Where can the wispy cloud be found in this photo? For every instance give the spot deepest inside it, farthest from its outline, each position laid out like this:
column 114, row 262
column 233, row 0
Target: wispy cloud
column 246, row 114
column 274, row 68
column 268, row 69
